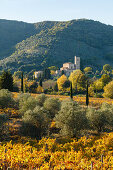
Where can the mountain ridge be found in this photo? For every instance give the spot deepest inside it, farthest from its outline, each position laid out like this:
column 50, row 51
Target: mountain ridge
column 49, row 43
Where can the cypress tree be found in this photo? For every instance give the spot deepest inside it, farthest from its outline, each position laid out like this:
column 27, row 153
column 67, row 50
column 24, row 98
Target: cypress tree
column 26, row 89
column 22, row 89
column 87, row 95
column 62, row 72
column 46, row 74
column 56, row 87
column 71, row 90
column 40, row 82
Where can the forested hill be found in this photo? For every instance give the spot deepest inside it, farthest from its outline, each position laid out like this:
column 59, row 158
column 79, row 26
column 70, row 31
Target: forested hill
column 36, row 46
column 11, row 33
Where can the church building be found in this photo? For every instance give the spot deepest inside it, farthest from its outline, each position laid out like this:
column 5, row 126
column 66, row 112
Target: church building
column 69, row 67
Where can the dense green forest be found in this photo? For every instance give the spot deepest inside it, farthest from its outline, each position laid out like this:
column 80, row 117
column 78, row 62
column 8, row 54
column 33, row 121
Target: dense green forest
column 29, row 47
column 11, row 33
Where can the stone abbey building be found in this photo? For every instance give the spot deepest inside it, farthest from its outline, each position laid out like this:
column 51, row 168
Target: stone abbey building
column 69, row 67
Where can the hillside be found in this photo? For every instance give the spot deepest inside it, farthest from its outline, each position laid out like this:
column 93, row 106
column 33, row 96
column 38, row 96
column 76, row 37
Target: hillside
column 11, row 33
column 35, row 46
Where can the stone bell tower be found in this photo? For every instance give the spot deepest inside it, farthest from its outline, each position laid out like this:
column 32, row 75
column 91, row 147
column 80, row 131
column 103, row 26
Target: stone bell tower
column 77, row 63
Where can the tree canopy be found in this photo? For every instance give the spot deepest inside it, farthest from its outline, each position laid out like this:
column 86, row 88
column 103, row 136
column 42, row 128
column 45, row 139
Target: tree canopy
column 88, row 70
column 28, row 47
column 107, row 68
column 6, row 81
column 108, row 90
column 61, row 82
column 78, row 80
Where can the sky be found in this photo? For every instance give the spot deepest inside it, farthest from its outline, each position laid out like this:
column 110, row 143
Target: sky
column 33, row 11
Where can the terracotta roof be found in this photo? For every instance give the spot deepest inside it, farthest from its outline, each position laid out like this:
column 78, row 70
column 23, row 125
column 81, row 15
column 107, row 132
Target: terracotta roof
column 68, row 63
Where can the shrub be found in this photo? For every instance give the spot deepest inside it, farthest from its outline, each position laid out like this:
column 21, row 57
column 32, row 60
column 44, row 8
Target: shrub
column 56, row 87
column 26, row 102
column 108, row 110
column 71, row 119
column 45, row 91
column 91, row 91
column 15, row 88
column 97, row 119
column 3, row 119
column 36, row 122
column 98, row 95
column 41, row 99
column 39, row 89
column 33, row 87
column 52, row 105
column 6, row 99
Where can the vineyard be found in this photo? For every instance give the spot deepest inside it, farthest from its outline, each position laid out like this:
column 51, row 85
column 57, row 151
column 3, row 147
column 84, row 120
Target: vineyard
column 89, row 150
column 81, row 100
column 59, row 154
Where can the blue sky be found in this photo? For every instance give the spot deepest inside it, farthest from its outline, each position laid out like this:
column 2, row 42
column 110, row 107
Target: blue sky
column 57, row 10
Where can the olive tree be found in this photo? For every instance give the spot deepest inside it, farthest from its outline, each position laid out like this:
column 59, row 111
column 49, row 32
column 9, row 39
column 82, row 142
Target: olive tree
column 108, row 110
column 71, row 119
column 52, row 105
column 26, row 102
column 41, row 99
column 97, row 119
column 6, row 98
column 36, row 122
column 3, row 129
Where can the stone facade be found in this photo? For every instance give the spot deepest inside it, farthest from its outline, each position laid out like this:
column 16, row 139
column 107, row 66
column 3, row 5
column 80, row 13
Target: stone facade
column 77, row 63
column 69, row 67
column 37, row 74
